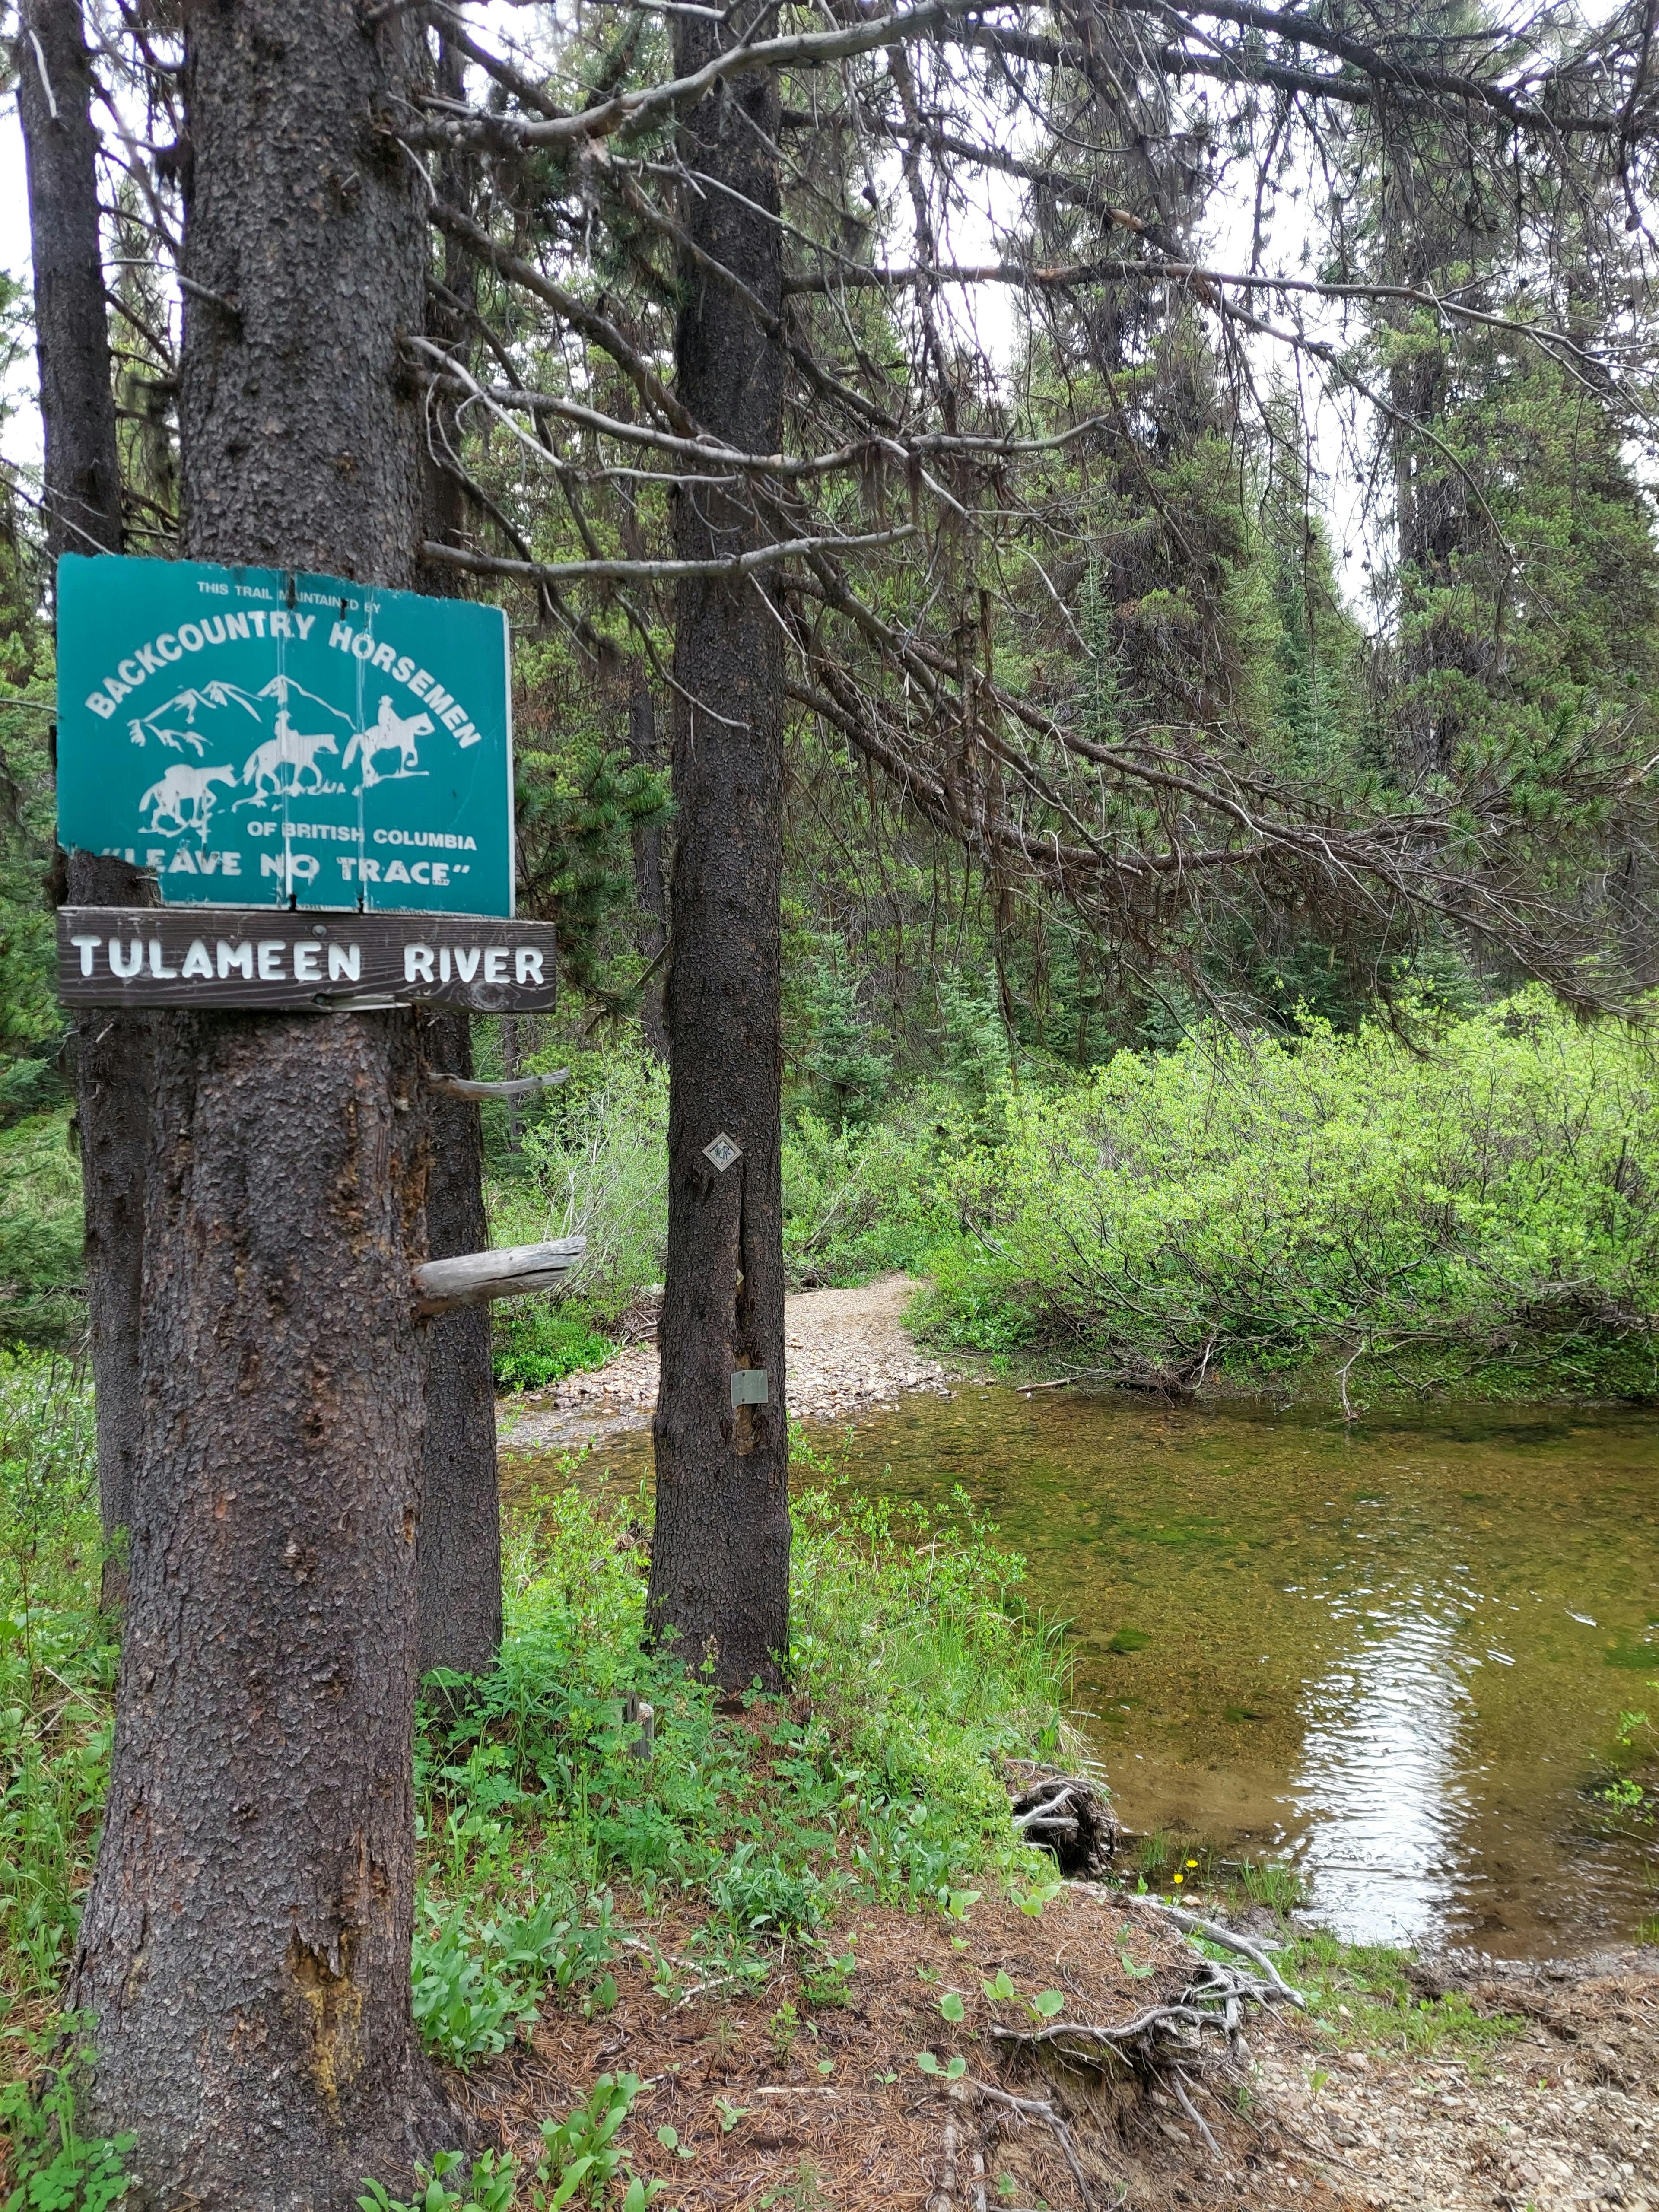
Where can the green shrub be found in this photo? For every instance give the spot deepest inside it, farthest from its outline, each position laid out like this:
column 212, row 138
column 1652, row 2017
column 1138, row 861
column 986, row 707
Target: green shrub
column 595, row 1164
column 58, row 1661
column 41, row 1234
column 865, row 1198
column 534, row 1342
column 1486, row 1211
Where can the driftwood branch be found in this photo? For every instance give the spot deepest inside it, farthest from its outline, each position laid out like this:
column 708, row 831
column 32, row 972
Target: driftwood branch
column 1229, row 1939
column 464, row 1086
column 475, row 1278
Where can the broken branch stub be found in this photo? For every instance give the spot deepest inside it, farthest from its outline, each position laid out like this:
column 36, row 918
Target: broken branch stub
column 464, row 1086
column 474, row 1277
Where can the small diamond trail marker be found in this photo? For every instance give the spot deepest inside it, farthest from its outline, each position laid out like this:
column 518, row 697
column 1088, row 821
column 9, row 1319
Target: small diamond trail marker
column 722, row 1151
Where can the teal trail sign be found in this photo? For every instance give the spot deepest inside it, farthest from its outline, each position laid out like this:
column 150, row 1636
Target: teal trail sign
column 259, row 738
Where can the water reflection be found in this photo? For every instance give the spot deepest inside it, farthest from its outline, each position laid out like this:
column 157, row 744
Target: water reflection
column 1396, row 1654
column 1377, row 1796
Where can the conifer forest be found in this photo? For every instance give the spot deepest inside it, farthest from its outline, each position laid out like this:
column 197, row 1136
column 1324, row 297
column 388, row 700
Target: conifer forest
column 828, row 1117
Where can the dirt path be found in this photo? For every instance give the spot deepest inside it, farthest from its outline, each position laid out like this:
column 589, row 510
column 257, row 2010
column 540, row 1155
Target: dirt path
column 845, row 1350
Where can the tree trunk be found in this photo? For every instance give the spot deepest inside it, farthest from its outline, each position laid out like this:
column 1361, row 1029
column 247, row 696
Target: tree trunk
column 245, row 1948
column 720, row 1565
column 83, row 474
column 650, row 878
column 460, row 1539
column 82, row 499
column 114, row 1070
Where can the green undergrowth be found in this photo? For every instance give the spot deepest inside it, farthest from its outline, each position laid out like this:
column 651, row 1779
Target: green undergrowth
column 41, row 1302
column 58, row 1661
column 913, row 1669
column 534, row 1341
column 1364, row 1994
column 1482, row 1215
column 1360, row 1995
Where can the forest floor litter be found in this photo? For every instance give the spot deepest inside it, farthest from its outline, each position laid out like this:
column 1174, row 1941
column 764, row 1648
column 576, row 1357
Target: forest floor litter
column 846, row 1351
column 769, row 2102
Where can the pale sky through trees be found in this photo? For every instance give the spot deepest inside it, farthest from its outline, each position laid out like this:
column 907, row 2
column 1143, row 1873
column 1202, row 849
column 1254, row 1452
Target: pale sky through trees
column 988, row 317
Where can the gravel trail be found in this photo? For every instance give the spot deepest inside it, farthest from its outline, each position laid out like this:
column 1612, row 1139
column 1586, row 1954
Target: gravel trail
column 846, row 1351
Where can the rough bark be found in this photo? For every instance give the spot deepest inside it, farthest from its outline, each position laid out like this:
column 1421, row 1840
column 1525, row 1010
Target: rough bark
column 720, row 1566
column 460, row 1539
column 82, row 500
column 114, row 1069
column 650, row 875
column 244, row 1947
column 82, row 474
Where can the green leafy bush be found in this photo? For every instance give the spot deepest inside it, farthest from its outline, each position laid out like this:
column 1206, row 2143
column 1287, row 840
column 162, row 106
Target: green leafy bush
column 595, row 1164
column 40, row 1236
column 866, row 1197
column 1484, row 1212
column 58, row 1661
column 56, row 2167
column 533, row 1342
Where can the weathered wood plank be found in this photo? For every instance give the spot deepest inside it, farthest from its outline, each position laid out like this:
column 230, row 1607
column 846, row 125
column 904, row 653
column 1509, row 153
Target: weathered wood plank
column 464, row 1086
column 473, row 1278
column 260, row 957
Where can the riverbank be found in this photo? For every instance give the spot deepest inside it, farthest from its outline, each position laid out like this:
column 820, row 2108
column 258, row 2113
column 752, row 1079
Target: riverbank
column 1537, row 2090
column 754, row 1937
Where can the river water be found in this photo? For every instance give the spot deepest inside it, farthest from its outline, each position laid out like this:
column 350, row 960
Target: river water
column 1394, row 1654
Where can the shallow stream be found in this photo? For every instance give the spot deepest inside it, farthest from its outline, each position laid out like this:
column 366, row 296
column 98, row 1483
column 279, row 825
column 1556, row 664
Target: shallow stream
column 1396, row 1655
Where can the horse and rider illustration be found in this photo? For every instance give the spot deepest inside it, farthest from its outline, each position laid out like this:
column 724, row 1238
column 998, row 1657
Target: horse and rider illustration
column 390, row 732
column 294, row 751
column 184, row 800
column 289, row 765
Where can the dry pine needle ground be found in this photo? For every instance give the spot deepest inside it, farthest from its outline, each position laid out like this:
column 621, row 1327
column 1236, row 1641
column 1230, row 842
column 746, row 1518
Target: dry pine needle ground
column 828, row 2108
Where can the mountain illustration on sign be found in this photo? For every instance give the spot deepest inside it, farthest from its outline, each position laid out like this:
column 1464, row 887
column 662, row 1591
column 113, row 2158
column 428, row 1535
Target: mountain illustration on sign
column 216, row 694
column 285, row 765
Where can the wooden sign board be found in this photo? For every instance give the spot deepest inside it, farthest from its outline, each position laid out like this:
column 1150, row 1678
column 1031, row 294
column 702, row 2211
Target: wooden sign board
column 217, row 958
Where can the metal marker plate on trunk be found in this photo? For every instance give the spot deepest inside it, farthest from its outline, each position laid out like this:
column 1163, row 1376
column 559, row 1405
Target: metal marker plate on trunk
column 722, row 1151
column 750, row 1387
